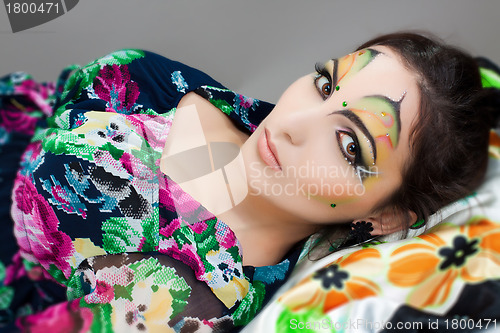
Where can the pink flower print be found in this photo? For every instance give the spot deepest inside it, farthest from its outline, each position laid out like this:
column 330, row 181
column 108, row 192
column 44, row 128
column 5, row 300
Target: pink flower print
column 24, row 195
column 187, row 254
column 38, row 94
column 103, row 293
column 225, row 235
column 15, row 120
column 36, row 273
column 153, row 129
column 245, row 102
column 169, row 229
column 15, row 270
column 242, row 105
column 114, row 86
column 37, row 230
column 179, row 201
column 199, row 227
column 60, row 318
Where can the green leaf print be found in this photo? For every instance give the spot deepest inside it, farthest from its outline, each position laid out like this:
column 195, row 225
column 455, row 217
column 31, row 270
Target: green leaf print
column 64, row 142
column 101, row 316
column 163, row 276
column 123, row 292
column 150, row 232
column 2, row 271
column 222, row 105
column 234, row 251
column 119, row 235
column 6, row 296
column 6, row 293
column 147, row 155
column 251, row 304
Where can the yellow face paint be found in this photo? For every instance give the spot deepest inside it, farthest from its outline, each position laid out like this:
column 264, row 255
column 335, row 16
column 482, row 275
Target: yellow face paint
column 387, row 126
column 376, row 116
column 344, row 68
column 351, row 64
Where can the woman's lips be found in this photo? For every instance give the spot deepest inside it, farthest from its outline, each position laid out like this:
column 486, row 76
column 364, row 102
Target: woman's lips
column 267, row 150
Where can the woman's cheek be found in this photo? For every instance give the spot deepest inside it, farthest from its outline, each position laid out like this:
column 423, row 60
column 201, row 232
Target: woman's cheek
column 340, row 188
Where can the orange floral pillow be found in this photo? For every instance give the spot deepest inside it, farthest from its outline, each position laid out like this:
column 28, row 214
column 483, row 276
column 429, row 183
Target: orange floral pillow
column 428, row 276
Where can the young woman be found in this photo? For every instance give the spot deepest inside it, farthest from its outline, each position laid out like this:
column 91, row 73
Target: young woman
column 117, row 231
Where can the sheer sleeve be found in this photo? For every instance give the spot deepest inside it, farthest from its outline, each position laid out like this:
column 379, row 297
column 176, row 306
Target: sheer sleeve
column 246, row 112
column 134, row 292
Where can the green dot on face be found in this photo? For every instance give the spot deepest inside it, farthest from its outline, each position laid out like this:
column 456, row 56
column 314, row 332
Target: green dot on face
column 344, row 103
column 337, row 88
column 333, row 205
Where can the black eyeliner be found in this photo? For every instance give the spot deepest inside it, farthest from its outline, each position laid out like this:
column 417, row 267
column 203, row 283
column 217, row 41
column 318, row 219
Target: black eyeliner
column 357, row 121
column 352, row 134
column 322, row 71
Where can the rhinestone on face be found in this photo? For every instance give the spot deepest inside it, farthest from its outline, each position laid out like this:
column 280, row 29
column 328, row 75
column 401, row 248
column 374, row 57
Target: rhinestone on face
column 402, row 95
column 344, row 103
column 333, row 205
column 337, row 88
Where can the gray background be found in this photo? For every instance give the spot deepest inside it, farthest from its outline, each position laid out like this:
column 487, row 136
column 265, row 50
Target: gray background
column 256, row 47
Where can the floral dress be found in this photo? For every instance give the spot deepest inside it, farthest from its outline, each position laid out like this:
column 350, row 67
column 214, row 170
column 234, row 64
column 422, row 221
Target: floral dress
column 98, row 238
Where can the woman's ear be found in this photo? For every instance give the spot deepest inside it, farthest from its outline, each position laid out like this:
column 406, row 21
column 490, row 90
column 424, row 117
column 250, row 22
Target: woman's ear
column 391, row 220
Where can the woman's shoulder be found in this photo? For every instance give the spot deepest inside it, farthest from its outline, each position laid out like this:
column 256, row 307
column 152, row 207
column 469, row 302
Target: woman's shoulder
column 154, row 80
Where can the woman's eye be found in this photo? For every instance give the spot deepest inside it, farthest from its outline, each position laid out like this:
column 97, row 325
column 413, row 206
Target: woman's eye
column 323, row 85
column 348, row 145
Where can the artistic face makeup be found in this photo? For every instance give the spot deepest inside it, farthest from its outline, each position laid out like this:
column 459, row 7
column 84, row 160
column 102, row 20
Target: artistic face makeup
column 339, row 71
column 352, row 115
column 387, row 126
column 379, row 106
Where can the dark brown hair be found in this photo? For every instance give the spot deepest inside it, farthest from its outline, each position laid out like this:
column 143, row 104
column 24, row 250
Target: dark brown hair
column 449, row 139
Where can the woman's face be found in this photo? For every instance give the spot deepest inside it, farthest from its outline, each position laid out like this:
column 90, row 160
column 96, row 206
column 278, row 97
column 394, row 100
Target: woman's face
column 338, row 138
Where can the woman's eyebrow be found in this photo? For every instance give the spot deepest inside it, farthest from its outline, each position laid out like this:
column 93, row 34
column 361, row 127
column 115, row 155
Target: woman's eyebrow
column 359, row 123
column 335, row 72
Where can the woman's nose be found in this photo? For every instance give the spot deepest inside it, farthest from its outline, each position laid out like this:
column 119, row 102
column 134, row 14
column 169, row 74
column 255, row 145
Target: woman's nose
column 297, row 126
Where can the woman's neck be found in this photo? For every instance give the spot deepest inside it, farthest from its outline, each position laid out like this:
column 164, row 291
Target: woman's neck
column 265, row 233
